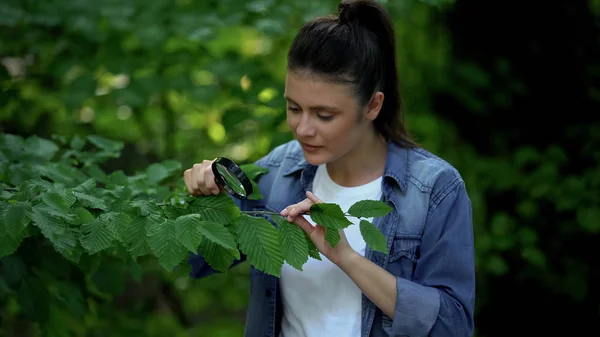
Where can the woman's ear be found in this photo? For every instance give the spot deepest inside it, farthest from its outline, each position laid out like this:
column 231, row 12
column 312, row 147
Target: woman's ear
column 374, row 106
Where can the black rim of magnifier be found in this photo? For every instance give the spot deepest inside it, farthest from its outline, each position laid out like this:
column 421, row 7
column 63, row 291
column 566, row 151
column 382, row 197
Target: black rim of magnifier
column 237, row 172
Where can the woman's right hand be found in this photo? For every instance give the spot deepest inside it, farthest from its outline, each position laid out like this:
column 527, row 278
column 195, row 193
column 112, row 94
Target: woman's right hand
column 200, row 180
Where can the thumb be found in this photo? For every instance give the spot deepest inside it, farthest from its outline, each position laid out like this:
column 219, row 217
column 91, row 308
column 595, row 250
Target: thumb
column 313, row 197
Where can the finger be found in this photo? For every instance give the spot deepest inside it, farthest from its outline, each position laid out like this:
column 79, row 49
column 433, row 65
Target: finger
column 313, row 197
column 306, row 226
column 194, row 179
column 198, row 181
column 187, row 178
column 301, row 207
column 209, row 179
column 287, row 210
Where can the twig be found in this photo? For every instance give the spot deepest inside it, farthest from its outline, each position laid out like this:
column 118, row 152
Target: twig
column 274, row 213
column 261, row 212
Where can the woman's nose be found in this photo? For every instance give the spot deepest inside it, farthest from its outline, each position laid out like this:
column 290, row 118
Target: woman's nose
column 305, row 127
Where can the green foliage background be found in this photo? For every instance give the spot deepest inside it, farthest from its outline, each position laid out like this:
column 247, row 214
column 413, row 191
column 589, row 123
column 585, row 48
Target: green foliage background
column 190, row 80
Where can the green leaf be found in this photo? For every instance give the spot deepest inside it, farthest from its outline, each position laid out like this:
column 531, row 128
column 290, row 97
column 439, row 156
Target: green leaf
column 589, row 219
column 32, row 187
column 156, row 173
column 373, row 236
column 135, row 235
column 255, row 195
column 118, row 178
column 218, row 257
column 17, row 217
column 121, row 192
column 191, row 228
column 70, row 217
column 217, row 208
column 534, row 256
column 135, row 270
column 60, row 202
column 253, row 171
column 86, row 186
column 96, row 172
column 496, row 265
column 369, row 209
column 81, row 216
column 332, row 236
column 117, row 223
column 172, row 166
column 14, row 219
column 217, row 233
column 90, row 263
column 9, row 242
column 293, row 243
column 162, row 240
column 329, row 216
column 312, row 249
column 59, row 173
column 175, row 212
column 106, row 144
column 95, row 236
column 146, row 207
column 41, row 148
column 12, row 145
column 187, row 231
column 259, row 240
column 90, row 201
column 63, row 237
column 77, row 143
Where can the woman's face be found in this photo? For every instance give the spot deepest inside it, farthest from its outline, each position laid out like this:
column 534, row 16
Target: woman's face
column 324, row 117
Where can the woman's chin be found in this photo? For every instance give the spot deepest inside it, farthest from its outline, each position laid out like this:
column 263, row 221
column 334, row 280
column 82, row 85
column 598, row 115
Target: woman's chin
column 315, row 159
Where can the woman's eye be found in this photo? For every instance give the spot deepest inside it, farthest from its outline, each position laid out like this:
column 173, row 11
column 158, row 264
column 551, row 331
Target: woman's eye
column 293, row 109
column 325, row 118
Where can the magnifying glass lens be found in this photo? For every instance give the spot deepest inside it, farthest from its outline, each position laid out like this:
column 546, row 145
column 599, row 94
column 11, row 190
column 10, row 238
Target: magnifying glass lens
column 231, row 180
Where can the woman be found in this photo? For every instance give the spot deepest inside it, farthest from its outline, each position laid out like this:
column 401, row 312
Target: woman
column 344, row 109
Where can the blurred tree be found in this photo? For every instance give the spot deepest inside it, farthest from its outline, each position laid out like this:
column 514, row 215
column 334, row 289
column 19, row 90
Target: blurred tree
column 526, row 97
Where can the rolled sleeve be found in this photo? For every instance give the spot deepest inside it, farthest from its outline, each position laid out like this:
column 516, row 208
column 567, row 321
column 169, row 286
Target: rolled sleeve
column 416, row 309
column 440, row 299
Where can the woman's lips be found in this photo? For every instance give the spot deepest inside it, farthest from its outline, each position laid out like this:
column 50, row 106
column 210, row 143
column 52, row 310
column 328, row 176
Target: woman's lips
column 309, row 148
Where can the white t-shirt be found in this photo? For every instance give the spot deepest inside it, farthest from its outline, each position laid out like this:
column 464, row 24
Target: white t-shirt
column 321, row 300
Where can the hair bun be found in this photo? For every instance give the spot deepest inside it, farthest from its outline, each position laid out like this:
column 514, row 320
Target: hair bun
column 346, row 11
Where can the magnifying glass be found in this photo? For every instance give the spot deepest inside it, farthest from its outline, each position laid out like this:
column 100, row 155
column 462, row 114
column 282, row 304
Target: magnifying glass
column 231, row 177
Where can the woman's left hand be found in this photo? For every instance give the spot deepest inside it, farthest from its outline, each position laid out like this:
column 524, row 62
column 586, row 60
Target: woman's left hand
column 338, row 254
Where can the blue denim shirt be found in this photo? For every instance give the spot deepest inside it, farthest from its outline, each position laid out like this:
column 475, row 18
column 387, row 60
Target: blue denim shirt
column 429, row 236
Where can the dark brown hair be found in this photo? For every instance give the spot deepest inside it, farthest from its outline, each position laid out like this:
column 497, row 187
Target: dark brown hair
column 357, row 47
